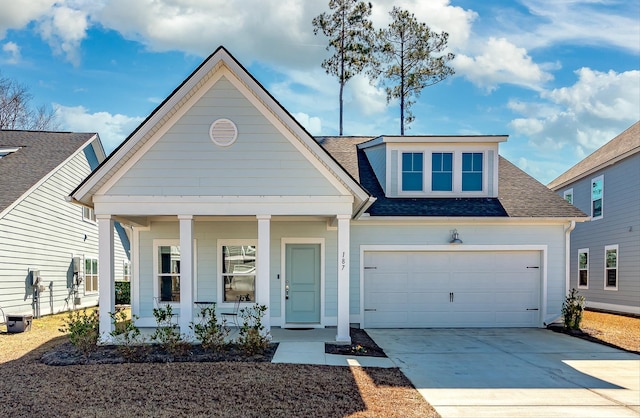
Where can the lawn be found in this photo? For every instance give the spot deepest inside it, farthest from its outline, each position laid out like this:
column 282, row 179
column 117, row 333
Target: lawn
column 30, row 388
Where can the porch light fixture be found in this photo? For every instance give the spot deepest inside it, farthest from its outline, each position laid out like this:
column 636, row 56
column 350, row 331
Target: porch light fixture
column 455, row 238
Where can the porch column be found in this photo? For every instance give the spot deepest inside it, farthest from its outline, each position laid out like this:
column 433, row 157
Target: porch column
column 186, row 273
column 106, row 280
column 343, row 278
column 263, row 267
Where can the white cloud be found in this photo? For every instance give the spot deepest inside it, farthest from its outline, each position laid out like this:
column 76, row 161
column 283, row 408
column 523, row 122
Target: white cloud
column 311, row 123
column 586, row 115
column 16, row 14
column 501, row 62
column 13, row 51
column 64, row 28
column 368, row 100
column 113, row 129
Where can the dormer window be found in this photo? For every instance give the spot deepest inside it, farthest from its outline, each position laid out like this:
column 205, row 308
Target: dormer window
column 471, row 171
column 442, row 171
column 412, row 171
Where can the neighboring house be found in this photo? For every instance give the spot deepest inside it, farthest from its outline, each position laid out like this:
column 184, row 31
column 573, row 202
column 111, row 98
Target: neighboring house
column 41, row 234
column 605, row 252
column 230, row 197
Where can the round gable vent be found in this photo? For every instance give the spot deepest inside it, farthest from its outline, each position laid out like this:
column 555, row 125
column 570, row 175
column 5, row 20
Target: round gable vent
column 223, row 132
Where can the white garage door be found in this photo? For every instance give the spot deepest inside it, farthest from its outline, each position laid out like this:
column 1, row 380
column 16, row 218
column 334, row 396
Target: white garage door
column 451, row 289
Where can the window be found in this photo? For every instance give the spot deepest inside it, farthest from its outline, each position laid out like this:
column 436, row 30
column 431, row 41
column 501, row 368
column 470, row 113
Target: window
column 611, row 267
column 471, row 171
column 126, row 271
column 568, row 196
column 90, row 275
column 88, row 214
column 583, row 268
column 169, row 272
column 238, row 272
column 442, row 171
column 412, row 169
column 597, row 193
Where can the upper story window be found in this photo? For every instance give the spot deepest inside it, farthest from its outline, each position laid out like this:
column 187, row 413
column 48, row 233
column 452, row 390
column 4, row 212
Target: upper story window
column 471, row 171
column 442, row 171
column 597, row 195
column 412, row 171
column 88, row 214
column 568, row 195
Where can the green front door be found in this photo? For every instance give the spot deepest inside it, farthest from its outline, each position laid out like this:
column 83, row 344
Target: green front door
column 302, row 286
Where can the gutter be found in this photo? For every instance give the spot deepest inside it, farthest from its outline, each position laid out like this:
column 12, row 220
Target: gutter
column 363, row 207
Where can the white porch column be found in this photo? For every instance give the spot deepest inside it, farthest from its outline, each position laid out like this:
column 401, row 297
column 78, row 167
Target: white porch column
column 106, row 279
column 263, row 267
column 186, row 273
column 343, row 278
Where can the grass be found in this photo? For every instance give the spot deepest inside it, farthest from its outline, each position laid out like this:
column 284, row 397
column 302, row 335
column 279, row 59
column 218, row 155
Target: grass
column 30, row 388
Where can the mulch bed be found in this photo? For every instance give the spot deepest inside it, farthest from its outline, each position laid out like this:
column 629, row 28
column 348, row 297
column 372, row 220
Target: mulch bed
column 587, row 334
column 66, row 355
column 361, row 345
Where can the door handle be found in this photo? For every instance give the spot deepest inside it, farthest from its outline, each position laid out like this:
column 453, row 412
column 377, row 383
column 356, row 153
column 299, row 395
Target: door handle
column 286, row 289
column 450, row 296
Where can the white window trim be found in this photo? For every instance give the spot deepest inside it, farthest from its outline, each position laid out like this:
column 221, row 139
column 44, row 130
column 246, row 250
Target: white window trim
column 124, row 268
column 580, row 251
column 156, row 286
column 568, row 192
column 611, row 247
column 86, row 257
column 220, row 280
column 600, row 177
column 457, row 172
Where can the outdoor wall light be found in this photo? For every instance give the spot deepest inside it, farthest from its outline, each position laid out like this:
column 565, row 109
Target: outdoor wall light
column 455, row 238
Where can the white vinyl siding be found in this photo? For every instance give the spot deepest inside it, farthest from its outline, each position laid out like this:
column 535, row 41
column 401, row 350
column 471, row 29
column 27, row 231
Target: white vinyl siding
column 185, row 162
column 43, row 232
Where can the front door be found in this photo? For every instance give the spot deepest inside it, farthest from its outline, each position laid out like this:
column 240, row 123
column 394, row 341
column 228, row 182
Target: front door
column 302, row 284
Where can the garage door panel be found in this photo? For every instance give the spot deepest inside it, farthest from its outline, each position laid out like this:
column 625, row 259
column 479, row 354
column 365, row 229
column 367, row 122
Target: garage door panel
column 452, row 289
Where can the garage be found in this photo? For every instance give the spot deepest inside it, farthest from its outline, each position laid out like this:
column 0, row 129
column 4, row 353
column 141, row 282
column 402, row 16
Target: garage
column 442, row 289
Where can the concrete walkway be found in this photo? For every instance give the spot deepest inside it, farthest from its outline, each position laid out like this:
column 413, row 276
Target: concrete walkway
column 515, row 372
column 307, row 347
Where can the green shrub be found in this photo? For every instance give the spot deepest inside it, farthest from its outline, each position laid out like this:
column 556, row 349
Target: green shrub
column 167, row 333
column 208, row 331
column 131, row 344
column 572, row 310
column 253, row 339
column 123, row 293
column 83, row 330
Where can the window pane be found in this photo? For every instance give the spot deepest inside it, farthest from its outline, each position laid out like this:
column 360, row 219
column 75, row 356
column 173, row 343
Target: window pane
column 169, row 256
column 583, row 259
column 442, row 182
column 407, row 161
column 471, row 182
column 412, row 181
column 612, row 277
column 477, row 161
column 238, row 272
column 466, row 162
column 170, row 288
column 472, row 171
column 583, row 277
column 94, row 266
column 612, row 258
column 597, row 208
column 417, row 161
column 441, row 175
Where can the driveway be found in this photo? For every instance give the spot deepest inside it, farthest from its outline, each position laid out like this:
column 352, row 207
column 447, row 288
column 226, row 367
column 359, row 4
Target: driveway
column 514, row 372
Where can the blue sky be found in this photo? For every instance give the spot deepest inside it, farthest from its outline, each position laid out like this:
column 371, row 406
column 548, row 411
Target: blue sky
column 560, row 77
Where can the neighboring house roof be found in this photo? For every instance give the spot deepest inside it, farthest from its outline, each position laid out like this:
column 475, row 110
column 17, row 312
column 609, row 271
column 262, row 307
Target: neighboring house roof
column 519, row 195
column 37, row 154
column 620, row 147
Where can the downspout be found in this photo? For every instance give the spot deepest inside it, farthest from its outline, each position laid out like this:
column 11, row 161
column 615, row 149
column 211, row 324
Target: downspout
column 567, row 255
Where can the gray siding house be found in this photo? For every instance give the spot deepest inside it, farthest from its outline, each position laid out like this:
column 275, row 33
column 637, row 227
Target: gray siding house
column 48, row 246
column 605, row 252
column 232, row 200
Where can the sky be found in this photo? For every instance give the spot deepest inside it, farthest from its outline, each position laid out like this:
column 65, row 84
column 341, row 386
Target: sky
column 560, row 77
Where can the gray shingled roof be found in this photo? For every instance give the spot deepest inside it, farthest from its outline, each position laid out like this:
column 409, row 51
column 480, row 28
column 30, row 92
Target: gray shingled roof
column 38, row 154
column 519, row 195
column 628, row 142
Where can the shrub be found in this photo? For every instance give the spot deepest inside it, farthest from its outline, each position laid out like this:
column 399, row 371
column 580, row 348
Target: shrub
column 123, row 293
column 572, row 310
column 167, row 333
column 208, row 331
column 253, row 339
column 131, row 345
column 83, row 330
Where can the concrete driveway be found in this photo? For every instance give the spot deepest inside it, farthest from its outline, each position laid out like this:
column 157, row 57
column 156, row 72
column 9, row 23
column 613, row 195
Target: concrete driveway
column 514, row 372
